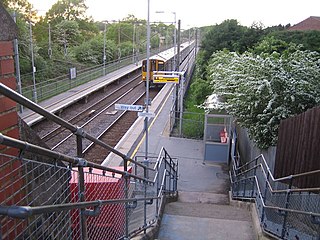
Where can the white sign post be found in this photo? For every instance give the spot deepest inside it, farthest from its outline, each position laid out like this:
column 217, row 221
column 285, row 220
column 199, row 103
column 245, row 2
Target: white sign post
column 128, row 107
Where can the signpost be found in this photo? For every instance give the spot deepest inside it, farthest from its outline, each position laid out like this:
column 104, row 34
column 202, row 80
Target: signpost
column 172, row 77
column 128, row 107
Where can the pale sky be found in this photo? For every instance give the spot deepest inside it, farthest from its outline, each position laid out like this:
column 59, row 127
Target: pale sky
column 199, row 13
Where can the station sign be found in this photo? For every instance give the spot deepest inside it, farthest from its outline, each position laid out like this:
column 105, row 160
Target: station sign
column 166, row 78
column 146, row 114
column 128, row 107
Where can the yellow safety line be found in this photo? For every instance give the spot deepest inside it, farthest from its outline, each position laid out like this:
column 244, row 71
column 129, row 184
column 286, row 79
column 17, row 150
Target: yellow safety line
column 144, row 135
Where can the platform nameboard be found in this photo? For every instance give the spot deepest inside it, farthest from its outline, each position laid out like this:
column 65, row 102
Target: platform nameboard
column 128, row 107
column 166, row 79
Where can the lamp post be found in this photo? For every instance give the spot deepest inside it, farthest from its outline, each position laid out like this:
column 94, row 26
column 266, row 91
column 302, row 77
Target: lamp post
column 16, row 57
column 34, row 92
column 147, row 86
column 104, row 43
column 133, row 46
column 104, row 49
column 175, row 43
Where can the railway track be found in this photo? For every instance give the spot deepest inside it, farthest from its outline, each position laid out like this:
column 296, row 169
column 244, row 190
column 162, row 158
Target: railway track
column 114, row 132
column 98, row 119
column 94, row 109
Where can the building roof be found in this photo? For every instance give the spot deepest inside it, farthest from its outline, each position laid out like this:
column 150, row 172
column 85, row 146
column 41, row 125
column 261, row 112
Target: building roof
column 311, row 23
column 8, row 28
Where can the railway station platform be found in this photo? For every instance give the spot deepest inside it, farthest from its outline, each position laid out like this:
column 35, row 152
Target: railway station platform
column 203, row 210
column 65, row 99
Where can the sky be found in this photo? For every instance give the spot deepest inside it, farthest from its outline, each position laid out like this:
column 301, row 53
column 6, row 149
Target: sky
column 199, row 13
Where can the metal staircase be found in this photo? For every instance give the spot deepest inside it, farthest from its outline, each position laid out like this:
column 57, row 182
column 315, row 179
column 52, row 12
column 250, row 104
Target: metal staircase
column 285, row 210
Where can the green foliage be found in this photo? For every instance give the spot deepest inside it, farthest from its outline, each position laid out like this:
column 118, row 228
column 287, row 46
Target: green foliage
column 269, row 45
column 229, row 35
column 260, row 90
column 200, row 90
column 71, row 10
column 22, row 8
column 309, row 39
column 67, row 33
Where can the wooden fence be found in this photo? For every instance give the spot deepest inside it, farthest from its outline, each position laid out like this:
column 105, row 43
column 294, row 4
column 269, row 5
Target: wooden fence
column 298, row 148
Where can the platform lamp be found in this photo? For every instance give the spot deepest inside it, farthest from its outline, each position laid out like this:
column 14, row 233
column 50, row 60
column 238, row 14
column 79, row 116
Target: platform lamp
column 104, row 44
column 104, row 47
column 146, row 158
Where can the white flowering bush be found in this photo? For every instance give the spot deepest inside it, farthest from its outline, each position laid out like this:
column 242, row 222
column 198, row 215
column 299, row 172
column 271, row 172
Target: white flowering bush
column 260, row 90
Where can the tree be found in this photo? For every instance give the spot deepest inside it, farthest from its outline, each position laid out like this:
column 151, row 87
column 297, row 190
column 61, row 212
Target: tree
column 309, row 39
column 22, row 7
column 260, row 90
column 92, row 51
column 71, row 10
column 67, row 33
column 226, row 35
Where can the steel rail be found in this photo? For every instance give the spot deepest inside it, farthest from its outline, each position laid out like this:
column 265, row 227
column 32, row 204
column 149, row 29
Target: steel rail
column 98, row 114
column 112, row 124
column 51, row 133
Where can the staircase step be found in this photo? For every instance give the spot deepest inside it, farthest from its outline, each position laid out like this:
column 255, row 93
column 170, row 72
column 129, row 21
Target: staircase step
column 205, row 210
column 203, row 197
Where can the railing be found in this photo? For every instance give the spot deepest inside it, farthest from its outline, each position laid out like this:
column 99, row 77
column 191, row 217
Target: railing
column 285, row 211
column 192, row 124
column 55, row 196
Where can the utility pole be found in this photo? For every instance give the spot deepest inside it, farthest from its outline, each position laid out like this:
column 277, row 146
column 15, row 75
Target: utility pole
column 196, row 44
column 17, row 63
column 65, row 43
column 119, row 49
column 50, row 49
column 133, row 43
column 178, row 65
column 104, row 49
column 174, row 43
column 146, row 158
column 34, row 95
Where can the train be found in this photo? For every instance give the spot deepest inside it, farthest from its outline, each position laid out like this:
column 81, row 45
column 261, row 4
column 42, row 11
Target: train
column 164, row 61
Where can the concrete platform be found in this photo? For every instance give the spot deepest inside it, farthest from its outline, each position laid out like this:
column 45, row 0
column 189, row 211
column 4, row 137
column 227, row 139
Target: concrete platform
column 65, row 99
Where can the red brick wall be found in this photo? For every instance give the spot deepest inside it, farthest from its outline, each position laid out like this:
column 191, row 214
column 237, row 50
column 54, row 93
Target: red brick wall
column 8, row 112
column 11, row 182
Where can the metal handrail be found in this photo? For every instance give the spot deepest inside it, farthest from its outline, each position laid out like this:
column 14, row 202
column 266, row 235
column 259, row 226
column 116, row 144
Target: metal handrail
column 279, row 179
column 239, row 177
column 12, row 142
column 279, row 191
column 23, row 212
column 289, row 177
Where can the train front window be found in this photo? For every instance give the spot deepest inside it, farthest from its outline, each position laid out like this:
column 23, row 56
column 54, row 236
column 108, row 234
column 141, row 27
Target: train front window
column 144, row 65
column 160, row 66
column 153, row 65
